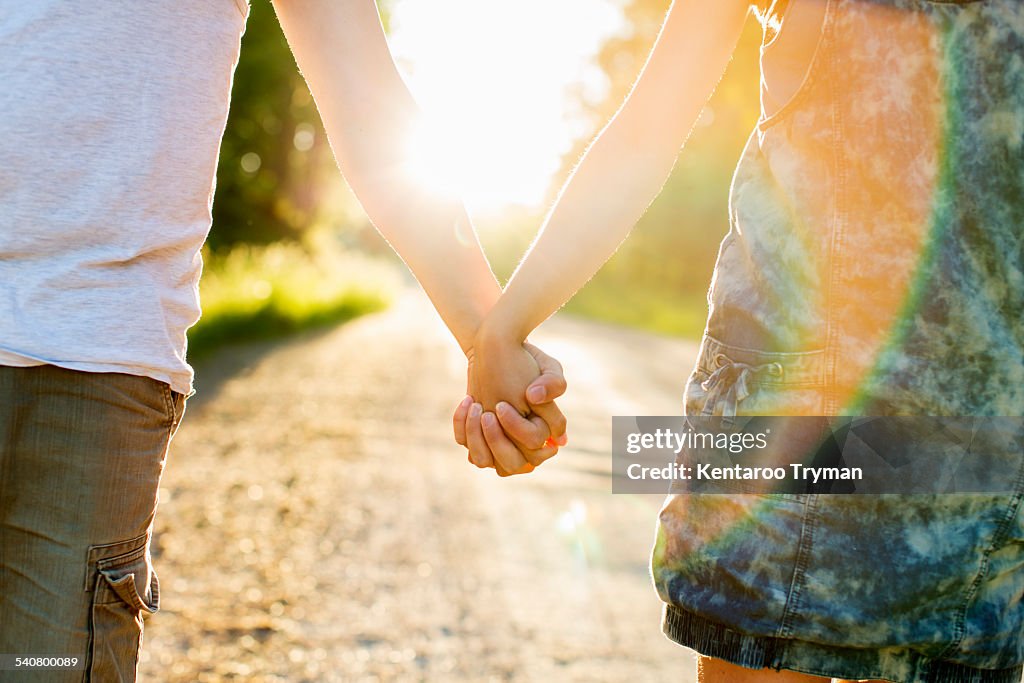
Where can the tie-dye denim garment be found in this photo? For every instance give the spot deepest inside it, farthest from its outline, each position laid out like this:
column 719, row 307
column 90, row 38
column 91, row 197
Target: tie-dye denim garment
column 874, row 266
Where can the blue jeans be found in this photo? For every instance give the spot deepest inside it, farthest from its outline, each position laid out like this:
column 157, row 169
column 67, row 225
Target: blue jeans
column 81, row 456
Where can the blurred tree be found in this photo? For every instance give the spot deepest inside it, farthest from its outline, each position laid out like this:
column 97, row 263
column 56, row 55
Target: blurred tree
column 275, row 165
column 270, row 154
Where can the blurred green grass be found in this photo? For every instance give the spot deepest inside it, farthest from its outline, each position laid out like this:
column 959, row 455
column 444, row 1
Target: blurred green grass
column 263, row 292
column 653, row 309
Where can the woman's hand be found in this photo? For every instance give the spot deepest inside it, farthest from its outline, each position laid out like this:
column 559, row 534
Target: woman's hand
column 513, row 379
column 500, row 369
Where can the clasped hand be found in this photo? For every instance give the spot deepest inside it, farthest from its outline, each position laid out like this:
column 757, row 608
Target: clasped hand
column 509, row 420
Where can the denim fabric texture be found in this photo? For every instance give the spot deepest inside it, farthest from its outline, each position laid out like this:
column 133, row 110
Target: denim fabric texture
column 81, row 455
column 874, row 266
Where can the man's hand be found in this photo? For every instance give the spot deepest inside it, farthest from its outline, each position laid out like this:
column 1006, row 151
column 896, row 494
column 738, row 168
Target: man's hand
column 506, row 440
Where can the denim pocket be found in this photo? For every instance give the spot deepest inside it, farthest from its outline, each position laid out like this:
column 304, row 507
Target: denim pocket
column 733, row 380
column 125, row 591
column 176, row 407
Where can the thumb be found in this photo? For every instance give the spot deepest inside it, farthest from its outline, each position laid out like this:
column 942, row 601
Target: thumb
column 550, row 384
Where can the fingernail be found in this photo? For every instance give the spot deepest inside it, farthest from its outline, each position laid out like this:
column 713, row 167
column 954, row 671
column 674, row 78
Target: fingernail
column 475, row 410
column 535, row 394
column 488, row 419
column 465, row 402
column 502, row 407
column 563, row 439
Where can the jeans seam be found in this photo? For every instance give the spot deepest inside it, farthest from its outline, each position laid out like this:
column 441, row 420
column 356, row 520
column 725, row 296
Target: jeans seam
column 168, row 404
column 835, row 252
column 761, row 352
column 1012, row 510
column 799, row 579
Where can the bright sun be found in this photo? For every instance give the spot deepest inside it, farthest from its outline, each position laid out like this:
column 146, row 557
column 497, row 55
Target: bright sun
column 499, row 83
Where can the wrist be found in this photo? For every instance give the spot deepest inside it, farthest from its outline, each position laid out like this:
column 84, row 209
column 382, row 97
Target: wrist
column 497, row 330
column 474, row 317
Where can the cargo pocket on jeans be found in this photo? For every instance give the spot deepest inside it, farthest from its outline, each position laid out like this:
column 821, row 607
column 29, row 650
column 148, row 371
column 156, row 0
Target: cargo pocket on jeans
column 731, row 384
column 125, row 591
column 732, row 380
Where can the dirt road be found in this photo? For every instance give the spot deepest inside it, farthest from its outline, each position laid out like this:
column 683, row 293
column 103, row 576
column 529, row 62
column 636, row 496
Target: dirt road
column 317, row 522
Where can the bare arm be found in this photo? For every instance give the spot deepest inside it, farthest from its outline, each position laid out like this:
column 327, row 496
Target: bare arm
column 626, row 166
column 618, row 177
column 369, row 113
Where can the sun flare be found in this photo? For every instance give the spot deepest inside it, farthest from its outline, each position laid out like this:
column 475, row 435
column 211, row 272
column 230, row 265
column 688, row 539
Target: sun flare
column 500, row 84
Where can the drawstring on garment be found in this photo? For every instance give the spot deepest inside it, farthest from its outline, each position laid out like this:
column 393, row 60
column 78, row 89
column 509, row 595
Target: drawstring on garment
column 728, row 384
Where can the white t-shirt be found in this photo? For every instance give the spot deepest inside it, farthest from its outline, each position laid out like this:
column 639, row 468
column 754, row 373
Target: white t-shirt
column 111, row 115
